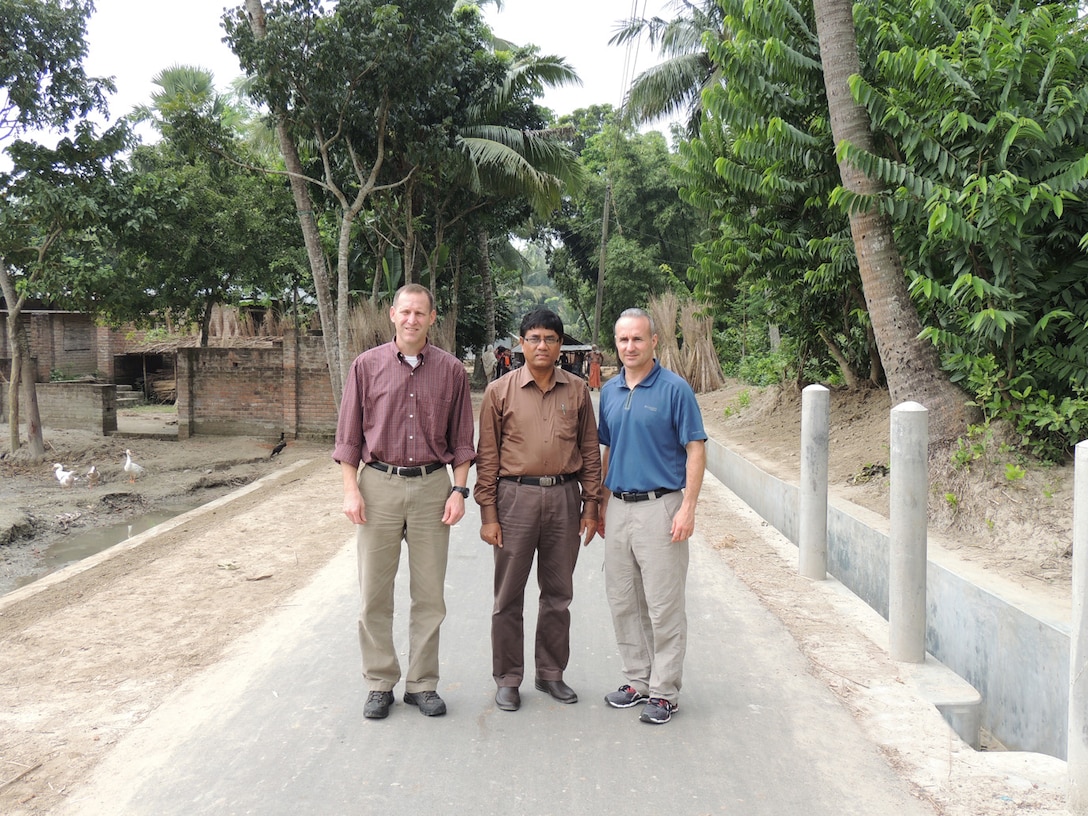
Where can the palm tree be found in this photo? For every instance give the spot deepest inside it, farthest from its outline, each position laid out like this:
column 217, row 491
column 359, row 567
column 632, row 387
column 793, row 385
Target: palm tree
column 910, row 364
column 675, row 85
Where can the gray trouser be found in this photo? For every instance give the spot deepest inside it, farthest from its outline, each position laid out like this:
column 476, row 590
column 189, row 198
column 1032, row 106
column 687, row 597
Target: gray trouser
column 645, row 579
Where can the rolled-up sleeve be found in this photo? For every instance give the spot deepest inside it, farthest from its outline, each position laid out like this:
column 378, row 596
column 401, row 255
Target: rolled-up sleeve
column 462, row 428
column 349, row 425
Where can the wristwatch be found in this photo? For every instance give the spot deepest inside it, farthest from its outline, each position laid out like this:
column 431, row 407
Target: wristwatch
column 462, row 490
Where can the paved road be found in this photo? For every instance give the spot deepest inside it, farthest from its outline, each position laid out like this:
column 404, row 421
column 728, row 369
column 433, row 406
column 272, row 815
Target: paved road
column 277, row 727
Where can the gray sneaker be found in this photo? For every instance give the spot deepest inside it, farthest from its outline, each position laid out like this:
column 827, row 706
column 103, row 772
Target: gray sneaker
column 430, row 704
column 658, row 711
column 625, row 697
column 377, row 705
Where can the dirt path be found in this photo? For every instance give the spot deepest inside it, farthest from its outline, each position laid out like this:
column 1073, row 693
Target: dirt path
column 88, row 655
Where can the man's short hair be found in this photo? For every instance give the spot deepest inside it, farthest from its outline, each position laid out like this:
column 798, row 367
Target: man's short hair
column 541, row 319
column 634, row 311
column 414, row 289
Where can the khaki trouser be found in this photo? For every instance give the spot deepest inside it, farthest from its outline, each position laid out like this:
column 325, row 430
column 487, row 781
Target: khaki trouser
column 645, row 580
column 400, row 508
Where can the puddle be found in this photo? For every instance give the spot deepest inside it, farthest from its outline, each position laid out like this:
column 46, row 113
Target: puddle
column 79, row 545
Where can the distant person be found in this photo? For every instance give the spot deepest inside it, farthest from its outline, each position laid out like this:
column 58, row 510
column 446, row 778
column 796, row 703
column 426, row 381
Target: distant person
column 538, row 483
column 406, row 415
column 489, row 361
column 595, row 358
column 502, row 361
column 654, row 457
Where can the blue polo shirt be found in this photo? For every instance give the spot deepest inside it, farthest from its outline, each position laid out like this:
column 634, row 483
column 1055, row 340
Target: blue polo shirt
column 646, row 429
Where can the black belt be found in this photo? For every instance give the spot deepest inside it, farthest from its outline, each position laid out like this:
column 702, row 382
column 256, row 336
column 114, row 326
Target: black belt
column 541, row 481
column 637, row 497
column 405, row 471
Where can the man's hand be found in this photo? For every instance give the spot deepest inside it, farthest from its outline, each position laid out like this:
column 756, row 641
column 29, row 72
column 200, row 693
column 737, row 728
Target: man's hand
column 455, row 509
column 492, row 534
column 683, row 523
column 354, row 506
column 588, row 529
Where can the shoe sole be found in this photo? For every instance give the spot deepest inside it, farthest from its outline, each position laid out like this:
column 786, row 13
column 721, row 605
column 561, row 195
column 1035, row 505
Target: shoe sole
column 632, row 704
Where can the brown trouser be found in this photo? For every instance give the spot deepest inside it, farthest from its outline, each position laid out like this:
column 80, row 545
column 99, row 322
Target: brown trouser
column 541, row 522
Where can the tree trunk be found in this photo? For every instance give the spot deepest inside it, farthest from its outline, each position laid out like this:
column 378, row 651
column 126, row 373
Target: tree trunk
column 910, row 364
column 312, row 238
column 22, row 372
column 482, row 241
column 849, row 376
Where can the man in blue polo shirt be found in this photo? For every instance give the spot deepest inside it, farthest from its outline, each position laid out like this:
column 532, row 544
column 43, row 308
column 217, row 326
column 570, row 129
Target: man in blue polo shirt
column 653, row 461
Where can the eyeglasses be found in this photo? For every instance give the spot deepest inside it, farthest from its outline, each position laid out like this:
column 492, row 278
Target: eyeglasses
column 535, row 340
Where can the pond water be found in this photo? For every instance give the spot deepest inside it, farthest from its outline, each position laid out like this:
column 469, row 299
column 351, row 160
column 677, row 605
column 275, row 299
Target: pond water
column 79, row 545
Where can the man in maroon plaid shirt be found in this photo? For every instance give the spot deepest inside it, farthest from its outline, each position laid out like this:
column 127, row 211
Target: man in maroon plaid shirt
column 406, row 415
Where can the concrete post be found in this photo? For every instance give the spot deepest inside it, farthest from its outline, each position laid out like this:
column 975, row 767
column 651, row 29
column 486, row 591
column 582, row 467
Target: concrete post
column 908, row 518
column 812, row 532
column 1077, row 749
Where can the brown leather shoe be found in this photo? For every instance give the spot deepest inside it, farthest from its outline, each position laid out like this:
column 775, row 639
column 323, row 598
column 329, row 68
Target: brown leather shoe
column 508, row 698
column 558, row 690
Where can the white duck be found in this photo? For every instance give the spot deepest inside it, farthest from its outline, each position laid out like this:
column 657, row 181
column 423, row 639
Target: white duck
column 92, row 476
column 131, row 468
column 67, row 478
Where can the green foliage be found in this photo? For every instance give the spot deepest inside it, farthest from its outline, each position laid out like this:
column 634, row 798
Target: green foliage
column 1014, row 472
column 952, row 500
column 651, row 230
column 763, row 169
column 42, row 80
column 985, row 106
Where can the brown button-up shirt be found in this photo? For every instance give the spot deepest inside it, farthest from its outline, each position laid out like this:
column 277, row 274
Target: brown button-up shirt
column 528, row 432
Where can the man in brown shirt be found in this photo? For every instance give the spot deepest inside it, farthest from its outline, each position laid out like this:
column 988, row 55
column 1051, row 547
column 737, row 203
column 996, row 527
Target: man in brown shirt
column 538, row 484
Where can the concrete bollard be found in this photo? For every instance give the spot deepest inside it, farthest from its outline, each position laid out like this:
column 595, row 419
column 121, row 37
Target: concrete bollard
column 812, row 533
column 1077, row 748
column 908, row 518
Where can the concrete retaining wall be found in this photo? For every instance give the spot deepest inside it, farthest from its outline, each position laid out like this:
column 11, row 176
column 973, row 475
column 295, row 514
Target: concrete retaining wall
column 976, row 625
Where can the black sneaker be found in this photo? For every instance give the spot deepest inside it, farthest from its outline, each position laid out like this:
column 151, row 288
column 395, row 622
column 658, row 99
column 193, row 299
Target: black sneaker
column 430, row 704
column 625, row 697
column 658, row 711
column 377, row 705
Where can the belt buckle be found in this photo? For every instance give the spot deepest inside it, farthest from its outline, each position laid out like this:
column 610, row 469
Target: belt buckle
column 548, row 481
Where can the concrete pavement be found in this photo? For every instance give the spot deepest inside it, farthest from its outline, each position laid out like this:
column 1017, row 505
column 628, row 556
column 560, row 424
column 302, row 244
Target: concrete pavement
column 277, row 726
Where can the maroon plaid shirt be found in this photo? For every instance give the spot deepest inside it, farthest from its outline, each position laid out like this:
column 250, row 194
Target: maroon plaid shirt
column 395, row 414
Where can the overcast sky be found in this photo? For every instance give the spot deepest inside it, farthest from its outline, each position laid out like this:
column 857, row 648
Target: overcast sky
column 132, row 40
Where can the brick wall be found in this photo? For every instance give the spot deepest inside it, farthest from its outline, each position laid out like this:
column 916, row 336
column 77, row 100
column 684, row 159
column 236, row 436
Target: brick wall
column 78, row 406
column 279, row 387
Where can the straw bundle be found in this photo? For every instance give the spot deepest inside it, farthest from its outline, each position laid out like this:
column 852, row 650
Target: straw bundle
column 663, row 309
column 702, row 369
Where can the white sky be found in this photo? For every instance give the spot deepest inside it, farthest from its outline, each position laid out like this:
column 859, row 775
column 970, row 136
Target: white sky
column 132, row 40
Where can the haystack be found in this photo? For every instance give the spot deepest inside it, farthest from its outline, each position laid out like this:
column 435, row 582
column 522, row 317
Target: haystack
column 663, row 309
column 702, row 369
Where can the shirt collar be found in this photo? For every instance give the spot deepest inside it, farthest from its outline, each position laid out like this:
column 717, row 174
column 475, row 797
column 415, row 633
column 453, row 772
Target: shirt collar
column 400, row 354
column 647, row 380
